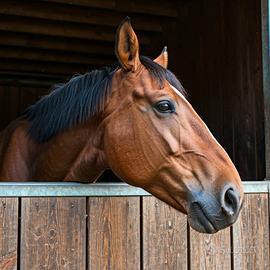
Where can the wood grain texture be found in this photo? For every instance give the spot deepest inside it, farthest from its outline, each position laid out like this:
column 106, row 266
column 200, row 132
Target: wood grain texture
column 210, row 251
column 161, row 8
column 76, row 14
column 114, row 233
column 164, row 236
column 53, row 234
column 60, row 29
column 8, row 233
column 218, row 58
column 56, row 44
column 8, row 52
column 21, row 66
column 251, row 234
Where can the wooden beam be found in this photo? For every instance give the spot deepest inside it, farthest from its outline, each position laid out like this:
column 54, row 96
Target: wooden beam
column 42, row 67
column 61, row 29
column 77, row 14
column 54, row 56
column 60, row 43
column 160, row 8
column 30, row 79
column 56, row 43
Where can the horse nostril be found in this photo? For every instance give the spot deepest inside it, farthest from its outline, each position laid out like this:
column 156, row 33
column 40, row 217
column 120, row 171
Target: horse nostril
column 230, row 202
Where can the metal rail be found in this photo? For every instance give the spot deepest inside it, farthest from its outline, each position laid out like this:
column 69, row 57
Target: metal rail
column 70, row 189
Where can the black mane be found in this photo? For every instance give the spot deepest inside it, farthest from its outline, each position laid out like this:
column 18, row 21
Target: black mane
column 80, row 98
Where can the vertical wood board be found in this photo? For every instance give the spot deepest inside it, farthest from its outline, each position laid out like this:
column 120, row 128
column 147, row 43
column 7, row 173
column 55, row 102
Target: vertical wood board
column 251, row 234
column 53, row 233
column 8, row 233
column 164, row 236
column 114, row 233
column 210, row 251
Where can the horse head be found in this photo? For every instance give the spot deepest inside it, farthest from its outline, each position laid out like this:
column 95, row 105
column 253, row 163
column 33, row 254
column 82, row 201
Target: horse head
column 154, row 139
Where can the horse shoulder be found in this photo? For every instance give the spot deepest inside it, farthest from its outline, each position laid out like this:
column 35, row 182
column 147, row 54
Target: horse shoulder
column 16, row 150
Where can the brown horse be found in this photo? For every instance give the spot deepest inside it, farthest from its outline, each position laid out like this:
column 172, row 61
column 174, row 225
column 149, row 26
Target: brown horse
column 134, row 119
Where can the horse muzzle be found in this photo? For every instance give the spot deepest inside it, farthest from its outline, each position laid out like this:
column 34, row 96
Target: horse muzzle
column 209, row 213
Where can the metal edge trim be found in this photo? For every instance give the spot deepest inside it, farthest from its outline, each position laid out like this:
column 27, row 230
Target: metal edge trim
column 71, row 189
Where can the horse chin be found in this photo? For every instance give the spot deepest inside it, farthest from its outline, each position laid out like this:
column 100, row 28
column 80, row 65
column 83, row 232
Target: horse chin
column 202, row 224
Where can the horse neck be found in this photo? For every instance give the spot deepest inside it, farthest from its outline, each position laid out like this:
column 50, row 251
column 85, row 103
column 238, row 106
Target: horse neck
column 71, row 156
column 14, row 152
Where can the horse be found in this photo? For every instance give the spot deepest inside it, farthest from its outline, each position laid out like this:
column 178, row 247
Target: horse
column 133, row 118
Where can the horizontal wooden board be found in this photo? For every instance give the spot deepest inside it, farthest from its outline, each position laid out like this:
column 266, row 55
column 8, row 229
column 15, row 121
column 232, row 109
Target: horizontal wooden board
column 55, row 43
column 114, row 233
column 164, row 236
column 40, row 67
column 9, row 52
column 61, row 29
column 77, row 14
column 162, row 8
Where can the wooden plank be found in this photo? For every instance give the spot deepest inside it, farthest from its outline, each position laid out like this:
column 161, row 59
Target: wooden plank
column 114, row 233
column 77, row 14
column 8, row 233
column 61, row 29
column 55, row 43
column 210, row 251
column 43, row 67
column 251, row 234
column 161, row 8
column 28, row 79
column 164, row 236
column 53, row 233
column 54, row 56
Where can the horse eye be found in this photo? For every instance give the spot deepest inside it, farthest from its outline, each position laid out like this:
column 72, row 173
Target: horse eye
column 165, row 106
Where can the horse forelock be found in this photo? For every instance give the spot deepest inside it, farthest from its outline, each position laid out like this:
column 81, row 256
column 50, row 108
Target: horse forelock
column 82, row 97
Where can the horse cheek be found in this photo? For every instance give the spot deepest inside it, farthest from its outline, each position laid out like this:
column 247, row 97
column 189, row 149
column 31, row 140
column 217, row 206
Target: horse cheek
column 123, row 156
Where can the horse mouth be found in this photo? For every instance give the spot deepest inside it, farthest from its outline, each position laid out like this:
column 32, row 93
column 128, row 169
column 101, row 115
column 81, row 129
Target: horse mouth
column 200, row 221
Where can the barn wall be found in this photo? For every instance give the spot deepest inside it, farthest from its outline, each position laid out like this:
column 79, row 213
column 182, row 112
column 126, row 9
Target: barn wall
column 15, row 98
column 217, row 54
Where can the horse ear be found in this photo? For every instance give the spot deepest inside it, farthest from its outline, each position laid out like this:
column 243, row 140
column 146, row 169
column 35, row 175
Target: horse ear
column 162, row 59
column 127, row 46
